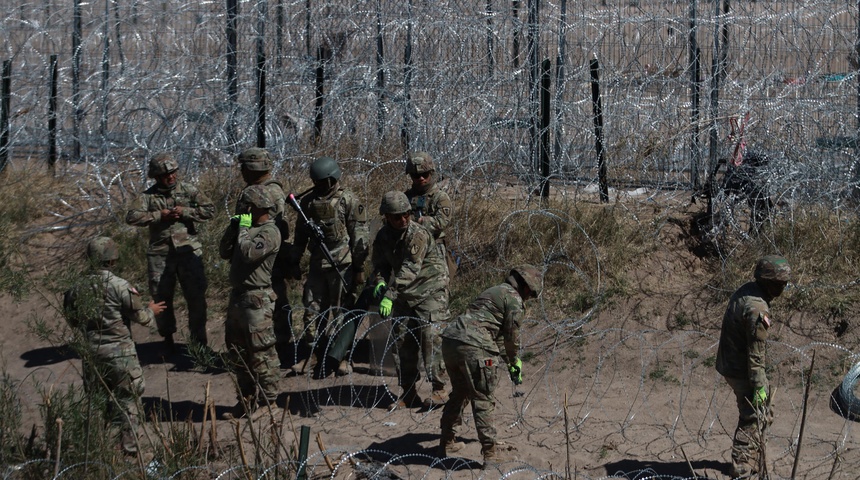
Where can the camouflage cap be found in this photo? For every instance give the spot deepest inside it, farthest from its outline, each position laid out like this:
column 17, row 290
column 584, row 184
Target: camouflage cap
column 102, row 249
column 772, row 267
column 394, row 202
column 255, row 159
column 531, row 275
column 419, row 162
column 161, row 164
column 257, row 196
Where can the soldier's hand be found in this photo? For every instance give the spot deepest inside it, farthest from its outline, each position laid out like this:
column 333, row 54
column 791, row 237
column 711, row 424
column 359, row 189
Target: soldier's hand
column 156, row 308
column 516, row 371
column 759, row 397
column 385, row 307
column 177, row 211
column 245, row 220
column 167, row 215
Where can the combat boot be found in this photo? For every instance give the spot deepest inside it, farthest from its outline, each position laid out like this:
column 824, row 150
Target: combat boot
column 410, row 399
column 436, row 399
column 343, row 369
column 492, row 457
column 447, row 447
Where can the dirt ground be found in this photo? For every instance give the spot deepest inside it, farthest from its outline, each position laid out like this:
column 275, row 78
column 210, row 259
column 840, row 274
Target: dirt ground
column 629, row 392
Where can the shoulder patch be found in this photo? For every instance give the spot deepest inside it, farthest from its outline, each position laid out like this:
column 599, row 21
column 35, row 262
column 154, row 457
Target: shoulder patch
column 414, row 249
column 446, row 211
column 259, row 246
column 765, row 320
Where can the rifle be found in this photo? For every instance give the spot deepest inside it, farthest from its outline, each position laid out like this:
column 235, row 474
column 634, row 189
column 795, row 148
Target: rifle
column 320, row 237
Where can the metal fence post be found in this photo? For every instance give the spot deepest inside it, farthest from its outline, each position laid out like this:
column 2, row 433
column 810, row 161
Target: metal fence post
column 598, row 130
column 5, row 100
column 52, row 116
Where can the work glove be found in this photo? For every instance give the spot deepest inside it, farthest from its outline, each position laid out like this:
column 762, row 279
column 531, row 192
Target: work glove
column 385, row 307
column 379, row 290
column 516, row 371
column 759, row 397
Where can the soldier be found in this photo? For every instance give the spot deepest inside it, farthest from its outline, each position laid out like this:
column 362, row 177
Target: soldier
column 101, row 307
column 432, row 208
column 342, row 221
column 251, row 243
column 256, row 166
column 470, row 345
column 172, row 209
column 410, row 277
column 741, row 357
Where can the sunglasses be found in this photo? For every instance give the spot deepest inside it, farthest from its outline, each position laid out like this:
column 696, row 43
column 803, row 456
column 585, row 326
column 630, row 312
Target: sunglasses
column 420, row 175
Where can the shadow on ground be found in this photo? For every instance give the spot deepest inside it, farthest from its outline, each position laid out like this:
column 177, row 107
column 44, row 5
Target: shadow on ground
column 637, row 469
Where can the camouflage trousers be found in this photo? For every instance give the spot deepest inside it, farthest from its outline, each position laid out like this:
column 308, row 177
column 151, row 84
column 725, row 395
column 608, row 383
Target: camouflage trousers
column 187, row 267
column 473, row 378
column 417, row 338
column 322, row 296
column 115, row 367
column 746, row 442
column 283, row 310
column 250, row 341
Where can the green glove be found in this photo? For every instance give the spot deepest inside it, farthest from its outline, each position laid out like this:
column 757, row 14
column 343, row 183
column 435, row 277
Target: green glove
column 379, row 290
column 759, row 397
column 385, row 307
column 516, row 371
column 245, row 220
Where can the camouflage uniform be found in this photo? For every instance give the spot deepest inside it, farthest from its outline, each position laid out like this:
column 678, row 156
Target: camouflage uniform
column 174, row 252
column 741, row 360
column 249, row 333
column 417, row 279
column 470, row 346
column 101, row 306
column 259, row 160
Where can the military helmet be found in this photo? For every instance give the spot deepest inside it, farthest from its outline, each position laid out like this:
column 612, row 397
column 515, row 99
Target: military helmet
column 419, row 162
column 772, row 267
column 531, row 275
column 255, row 159
column 257, row 196
column 394, row 202
column 325, row 167
column 162, row 163
column 101, row 250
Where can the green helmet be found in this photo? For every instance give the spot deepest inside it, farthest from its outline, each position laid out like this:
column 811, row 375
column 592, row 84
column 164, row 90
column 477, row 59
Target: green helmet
column 325, row 167
column 255, row 159
column 419, row 162
column 531, row 275
column 772, row 267
column 394, row 202
column 160, row 164
column 101, row 250
column 257, row 196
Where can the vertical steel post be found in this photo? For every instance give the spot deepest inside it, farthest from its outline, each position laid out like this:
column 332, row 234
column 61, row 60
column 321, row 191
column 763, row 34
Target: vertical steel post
column 78, row 116
column 5, row 102
column 695, row 149
column 232, row 71
column 52, row 115
column 380, row 73
column 262, row 13
column 545, row 111
column 408, row 70
column 598, row 130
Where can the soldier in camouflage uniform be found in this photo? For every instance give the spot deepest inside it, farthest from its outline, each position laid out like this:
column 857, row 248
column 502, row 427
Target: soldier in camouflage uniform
column 408, row 268
column 256, row 166
column 343, row 221
column 432, row 208
column 172, row 210
column 251, row 243
column 101, row 307
column 471, row 345
column 741, row 357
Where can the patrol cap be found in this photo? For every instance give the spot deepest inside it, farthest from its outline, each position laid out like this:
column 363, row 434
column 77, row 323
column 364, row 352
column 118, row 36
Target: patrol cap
column 531, row 275
column 162, row 163
column 394, row 202
column 102, row 249
column 773, row 267
column 257, row 196
column 324, row 167
column 255, row 159
column 419, row 162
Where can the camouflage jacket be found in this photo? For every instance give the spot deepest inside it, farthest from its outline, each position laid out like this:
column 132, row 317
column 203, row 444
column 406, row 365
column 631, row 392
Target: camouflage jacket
column 743, row 338
column 409, row 262
column 102, row 306
column 252, row 253
column 492, row 322
column 434, row 206
column 343, row 221
column 275, row 191
column 178, row 235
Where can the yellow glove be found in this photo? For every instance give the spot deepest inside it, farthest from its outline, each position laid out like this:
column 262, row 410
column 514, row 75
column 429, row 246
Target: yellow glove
column 516, row 371
column 759, row 397
column 385, row 307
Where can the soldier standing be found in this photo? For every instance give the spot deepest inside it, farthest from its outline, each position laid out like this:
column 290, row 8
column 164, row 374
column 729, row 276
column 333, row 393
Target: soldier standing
column 342, row 222
column 411, row 279
column 101, row 307
column 256, row 166
column 470, row 346
column 432, row 208
column 172, row 209
column 741, row 357
column 251, row 243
